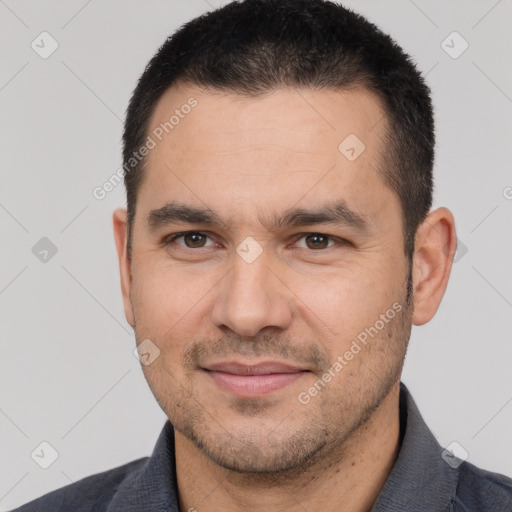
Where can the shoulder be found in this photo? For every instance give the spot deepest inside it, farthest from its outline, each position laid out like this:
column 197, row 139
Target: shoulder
column 483, row 490
column 91, row 493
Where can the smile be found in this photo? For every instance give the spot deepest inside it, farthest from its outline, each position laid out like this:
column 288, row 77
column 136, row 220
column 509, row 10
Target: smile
column 253, row 380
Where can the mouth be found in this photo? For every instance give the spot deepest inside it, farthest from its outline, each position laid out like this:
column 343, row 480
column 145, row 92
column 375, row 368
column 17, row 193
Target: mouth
column 254, row 380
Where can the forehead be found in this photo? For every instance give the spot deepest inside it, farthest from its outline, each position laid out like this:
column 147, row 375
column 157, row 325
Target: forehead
column 299, row 116
column 234, row 153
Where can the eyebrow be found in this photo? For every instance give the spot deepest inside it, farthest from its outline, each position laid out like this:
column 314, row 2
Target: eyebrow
column 337, row 212
column 333, row 213
column 172, row 213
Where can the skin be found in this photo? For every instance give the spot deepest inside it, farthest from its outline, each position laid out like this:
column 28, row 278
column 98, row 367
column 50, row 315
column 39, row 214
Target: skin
column 244, row 158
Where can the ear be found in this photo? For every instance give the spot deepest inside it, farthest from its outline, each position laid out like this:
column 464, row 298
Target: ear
column 121, row 237
column 435, row 247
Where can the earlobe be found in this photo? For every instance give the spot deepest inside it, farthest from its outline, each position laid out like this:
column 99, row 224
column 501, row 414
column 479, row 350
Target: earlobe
column 435, row 246
column 120, row 225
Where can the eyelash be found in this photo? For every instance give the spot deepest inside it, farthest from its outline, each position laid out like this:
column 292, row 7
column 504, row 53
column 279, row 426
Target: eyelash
column 172, row 238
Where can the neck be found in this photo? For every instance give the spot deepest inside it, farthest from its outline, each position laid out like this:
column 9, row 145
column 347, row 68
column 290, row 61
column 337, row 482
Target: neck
column 349, row 479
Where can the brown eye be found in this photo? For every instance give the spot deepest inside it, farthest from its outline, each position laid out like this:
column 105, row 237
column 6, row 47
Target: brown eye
column 189, row 240
column 194, row 240
column 317, row 241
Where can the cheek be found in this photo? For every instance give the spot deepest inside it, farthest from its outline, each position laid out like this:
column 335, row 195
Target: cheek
column 168, row 301
column 344, row 303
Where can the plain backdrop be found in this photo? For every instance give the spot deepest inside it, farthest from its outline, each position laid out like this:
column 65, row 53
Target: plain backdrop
column 67, row 369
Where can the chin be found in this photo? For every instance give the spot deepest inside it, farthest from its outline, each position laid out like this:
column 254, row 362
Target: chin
column 257, row 453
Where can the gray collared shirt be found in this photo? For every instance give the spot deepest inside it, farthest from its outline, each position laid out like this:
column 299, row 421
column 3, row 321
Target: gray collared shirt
column 423, row 479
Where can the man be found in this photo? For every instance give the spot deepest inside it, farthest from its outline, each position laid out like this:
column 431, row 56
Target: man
column 277, row 247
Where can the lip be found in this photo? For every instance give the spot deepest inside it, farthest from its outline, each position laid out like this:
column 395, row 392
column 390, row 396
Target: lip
column 253, row 380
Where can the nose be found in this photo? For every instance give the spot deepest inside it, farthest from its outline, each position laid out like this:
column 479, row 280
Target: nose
column 252, row 297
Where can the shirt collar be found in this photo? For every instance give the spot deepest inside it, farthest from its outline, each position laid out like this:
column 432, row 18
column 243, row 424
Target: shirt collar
column 154, row 488
column 420, row 479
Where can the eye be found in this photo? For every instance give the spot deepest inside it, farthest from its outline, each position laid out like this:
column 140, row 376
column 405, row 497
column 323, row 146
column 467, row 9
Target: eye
column 316, row 241
column 190, row 239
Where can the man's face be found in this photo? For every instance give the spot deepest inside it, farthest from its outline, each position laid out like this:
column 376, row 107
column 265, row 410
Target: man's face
column 249, row 328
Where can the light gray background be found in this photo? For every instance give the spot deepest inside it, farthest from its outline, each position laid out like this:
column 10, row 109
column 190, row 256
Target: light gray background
column 68, row 374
